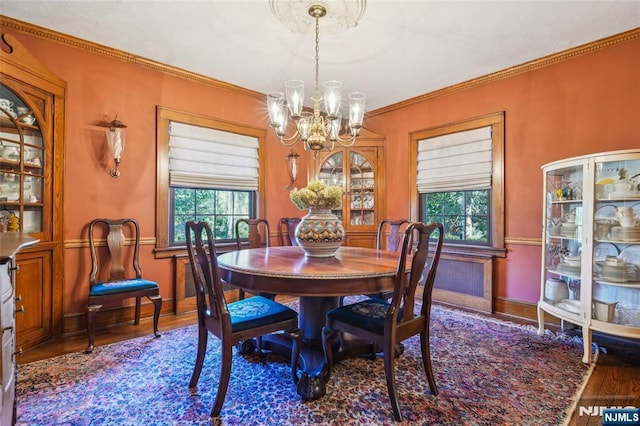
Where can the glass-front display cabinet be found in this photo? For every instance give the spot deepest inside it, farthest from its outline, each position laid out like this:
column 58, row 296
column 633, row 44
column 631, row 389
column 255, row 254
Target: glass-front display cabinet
column 32, row 116
column 359, row 170
column 591, row 244
column 21, row 166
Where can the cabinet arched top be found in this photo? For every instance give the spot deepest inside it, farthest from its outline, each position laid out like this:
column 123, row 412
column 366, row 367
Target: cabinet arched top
column 16, row 59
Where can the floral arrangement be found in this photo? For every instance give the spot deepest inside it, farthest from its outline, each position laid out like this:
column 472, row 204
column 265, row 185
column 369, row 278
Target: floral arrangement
column 316, row 194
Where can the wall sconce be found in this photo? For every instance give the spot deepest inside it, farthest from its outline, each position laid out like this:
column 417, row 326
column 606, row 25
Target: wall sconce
column 115, row 141
column 292, row 167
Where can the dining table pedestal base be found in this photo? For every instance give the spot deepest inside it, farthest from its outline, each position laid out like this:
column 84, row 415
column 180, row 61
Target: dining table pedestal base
column 312, row 374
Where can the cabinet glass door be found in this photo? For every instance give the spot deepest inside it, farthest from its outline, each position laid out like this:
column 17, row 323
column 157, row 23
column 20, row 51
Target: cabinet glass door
column 361, row 190
column 332, row 173
column 564, row 231
column 616, row 234
column 22, row 159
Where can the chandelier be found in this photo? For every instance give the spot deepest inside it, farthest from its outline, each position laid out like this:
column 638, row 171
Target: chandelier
column 317, row 130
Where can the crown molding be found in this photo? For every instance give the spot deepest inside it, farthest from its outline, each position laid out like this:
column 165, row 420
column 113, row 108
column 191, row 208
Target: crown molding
column 545, row 61
column 99, row 49
column 78, row 43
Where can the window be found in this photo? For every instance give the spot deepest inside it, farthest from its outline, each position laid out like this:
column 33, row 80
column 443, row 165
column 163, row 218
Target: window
column 464, row 214
column 220, row 208
column 457, row 180
column 207, row 170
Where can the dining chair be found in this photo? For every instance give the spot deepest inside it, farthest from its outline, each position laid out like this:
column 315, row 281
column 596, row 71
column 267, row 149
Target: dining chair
column 389, row 237
column 230, row 322
column 287, row 231
column 120, row 281
column 386, row 324
column 252, row 233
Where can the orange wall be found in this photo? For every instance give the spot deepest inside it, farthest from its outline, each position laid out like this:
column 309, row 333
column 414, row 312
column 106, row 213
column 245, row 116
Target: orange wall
column 583, row 105
column 97, row 89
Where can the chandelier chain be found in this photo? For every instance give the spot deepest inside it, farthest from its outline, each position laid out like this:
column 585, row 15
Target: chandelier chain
column 317, row 92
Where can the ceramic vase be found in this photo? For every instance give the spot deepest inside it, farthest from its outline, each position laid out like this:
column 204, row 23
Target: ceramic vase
column 320, row 233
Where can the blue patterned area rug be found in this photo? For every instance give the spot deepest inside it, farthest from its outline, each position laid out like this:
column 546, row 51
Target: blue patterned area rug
column 489, row 372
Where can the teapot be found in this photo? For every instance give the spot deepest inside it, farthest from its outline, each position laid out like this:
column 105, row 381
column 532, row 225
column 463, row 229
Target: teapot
column 11, row 152
column 6, row 104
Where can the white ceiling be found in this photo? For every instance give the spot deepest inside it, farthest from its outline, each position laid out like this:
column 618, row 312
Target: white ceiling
column 400, row 49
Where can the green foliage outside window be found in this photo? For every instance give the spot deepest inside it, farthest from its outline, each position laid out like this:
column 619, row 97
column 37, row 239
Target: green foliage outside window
column 219, row 208
column 464, row 214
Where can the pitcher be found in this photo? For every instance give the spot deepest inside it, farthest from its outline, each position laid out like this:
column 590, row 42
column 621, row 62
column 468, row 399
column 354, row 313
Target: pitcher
column 625, row 216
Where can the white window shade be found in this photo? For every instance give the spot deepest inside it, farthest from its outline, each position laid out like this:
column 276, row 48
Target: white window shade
column 459, row 161
column 201, row 157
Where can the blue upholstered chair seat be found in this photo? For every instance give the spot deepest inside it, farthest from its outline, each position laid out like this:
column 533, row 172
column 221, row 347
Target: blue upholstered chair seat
column 367, row 314
column 257, row 311
column 110, row 287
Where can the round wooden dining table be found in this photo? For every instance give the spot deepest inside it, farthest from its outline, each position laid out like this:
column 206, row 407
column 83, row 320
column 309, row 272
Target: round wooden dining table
column 320, row 283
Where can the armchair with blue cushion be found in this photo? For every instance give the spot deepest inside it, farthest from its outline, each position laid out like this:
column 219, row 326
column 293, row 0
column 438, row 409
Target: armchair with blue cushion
column 122, row 280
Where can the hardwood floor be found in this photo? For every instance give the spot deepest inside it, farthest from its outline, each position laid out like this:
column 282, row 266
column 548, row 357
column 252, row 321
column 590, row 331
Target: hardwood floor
column 615, row 380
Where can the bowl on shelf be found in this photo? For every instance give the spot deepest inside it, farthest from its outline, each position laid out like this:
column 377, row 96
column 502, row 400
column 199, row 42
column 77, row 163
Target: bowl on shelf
column 556, row 289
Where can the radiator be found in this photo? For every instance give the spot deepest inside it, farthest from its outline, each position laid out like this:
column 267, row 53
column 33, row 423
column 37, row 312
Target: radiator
column 185, row 288
column 465, row 281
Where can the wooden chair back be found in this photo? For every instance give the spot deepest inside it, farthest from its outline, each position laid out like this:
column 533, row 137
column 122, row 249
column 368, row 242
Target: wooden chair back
column 424, row 263
column 390, row 234
column 255, row 231
column 287, row 231
column 213, row 313
column 115, row 238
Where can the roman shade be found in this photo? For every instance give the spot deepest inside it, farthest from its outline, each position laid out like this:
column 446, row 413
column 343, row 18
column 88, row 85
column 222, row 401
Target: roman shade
column 200, row 157
column 458, row 161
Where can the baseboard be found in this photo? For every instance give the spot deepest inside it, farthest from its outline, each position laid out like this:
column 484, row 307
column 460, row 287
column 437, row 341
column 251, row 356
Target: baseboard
column 520, row 311
column 105, row 318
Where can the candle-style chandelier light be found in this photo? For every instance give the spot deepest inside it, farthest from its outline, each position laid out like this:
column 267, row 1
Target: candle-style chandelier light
column 317, row 130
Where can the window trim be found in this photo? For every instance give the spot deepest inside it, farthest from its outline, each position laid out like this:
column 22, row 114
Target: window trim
column 496, row 121
column 163, row 117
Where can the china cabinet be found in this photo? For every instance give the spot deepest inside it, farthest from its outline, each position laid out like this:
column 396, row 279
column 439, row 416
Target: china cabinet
column 360, row 170
column 591, row 244
column 31, row 149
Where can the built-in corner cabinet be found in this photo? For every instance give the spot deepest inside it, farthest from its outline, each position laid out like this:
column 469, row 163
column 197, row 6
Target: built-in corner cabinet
column 360, row 170
column 591, row 244
column 31, row 190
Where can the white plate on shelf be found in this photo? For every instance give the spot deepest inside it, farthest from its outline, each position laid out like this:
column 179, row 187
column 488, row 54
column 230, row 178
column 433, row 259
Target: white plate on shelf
column 602, row 250
column 631, row 254
column 570, row 305
column 607, row 212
